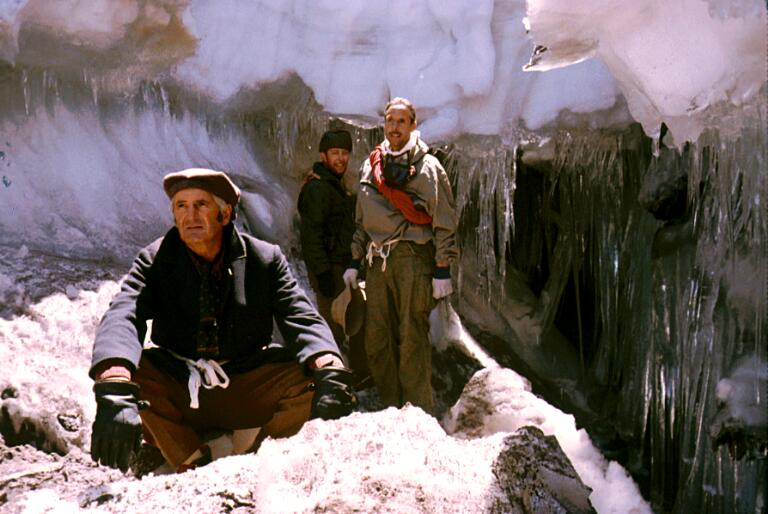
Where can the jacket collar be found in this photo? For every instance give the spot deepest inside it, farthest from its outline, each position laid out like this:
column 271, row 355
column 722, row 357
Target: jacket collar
column 236, row 243
column 324, row 173
column 414, row 141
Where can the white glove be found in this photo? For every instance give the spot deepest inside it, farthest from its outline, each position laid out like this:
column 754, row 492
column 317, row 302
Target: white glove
column 441, row 287
column 350, row 277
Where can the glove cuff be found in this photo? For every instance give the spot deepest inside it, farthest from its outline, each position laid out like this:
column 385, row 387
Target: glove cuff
column 333, row 373
column 320, row 373
column 121, row 387
column 442, row 272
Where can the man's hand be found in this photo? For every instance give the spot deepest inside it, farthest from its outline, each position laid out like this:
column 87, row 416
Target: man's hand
column 116, row 432
column 350, row 278
column 326, row 284
column 334, row 396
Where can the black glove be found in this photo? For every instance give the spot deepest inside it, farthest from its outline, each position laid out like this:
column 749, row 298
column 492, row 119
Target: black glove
column 334, row 396
column 326, row 284
column 116, row 432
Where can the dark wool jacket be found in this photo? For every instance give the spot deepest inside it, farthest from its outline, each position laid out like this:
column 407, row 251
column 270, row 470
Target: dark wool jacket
column 327, row 220
column 163, row 286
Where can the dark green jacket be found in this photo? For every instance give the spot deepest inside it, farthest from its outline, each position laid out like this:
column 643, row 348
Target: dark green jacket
column 163, row 285
column 327, row 220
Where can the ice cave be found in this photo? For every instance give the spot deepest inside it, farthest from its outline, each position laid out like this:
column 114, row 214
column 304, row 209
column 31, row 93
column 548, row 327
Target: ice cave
column 608, row 160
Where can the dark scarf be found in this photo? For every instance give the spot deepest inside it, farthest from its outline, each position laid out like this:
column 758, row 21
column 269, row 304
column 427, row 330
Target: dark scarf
column 213, row 288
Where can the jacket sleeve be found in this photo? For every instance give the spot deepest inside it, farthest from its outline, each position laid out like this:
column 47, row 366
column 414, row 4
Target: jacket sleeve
column 444, row 220
column 360, row 238
column 121, row 332
column 314, row 210
column 303, row 329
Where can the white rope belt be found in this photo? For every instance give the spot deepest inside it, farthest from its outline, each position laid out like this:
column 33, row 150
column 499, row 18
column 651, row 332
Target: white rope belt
column 380, row 251
column 202, row 372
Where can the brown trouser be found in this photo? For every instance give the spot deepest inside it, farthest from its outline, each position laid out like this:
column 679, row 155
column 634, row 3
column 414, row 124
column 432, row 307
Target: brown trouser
column 358, row 361
column 399, row 301
column 276, row 397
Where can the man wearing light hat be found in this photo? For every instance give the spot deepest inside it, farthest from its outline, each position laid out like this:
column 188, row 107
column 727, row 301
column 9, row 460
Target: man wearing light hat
column 212, row 294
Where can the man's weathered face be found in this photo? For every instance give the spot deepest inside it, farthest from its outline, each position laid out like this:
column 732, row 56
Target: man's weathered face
column 398, row 126
column 335, row 159
column 198, row 217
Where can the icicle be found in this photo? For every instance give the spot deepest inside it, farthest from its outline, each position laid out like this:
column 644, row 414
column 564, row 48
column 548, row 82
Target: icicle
column 165, row 102
column 25, row 91
column 485, row 189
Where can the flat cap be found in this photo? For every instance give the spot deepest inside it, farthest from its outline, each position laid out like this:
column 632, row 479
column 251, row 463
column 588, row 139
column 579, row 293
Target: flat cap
column 215, row 182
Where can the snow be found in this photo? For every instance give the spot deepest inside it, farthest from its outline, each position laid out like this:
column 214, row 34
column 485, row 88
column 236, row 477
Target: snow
column 46, row 351
column 292, row 476
column 736, row 393
column 506, row 403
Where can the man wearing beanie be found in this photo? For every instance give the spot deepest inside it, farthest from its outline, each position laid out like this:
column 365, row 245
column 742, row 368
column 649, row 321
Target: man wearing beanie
column 212, row 294
column 327, row 213
column 405, row 239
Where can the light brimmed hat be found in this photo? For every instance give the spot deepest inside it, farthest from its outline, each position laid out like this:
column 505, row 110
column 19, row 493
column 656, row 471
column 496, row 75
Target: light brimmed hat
column 348, row 309
column 215, row 182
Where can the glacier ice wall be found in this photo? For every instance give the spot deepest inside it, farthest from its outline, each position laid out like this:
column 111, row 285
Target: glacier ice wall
column 670, row 307
column 685, row 63
column 81, row 168
column 629, row 282
column 123, row 92
column 459, row 62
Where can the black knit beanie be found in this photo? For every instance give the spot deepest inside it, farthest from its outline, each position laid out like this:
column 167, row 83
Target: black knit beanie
column 336, row 139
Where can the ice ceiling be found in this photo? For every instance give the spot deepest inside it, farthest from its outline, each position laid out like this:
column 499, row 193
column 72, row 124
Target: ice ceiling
column 460, row 62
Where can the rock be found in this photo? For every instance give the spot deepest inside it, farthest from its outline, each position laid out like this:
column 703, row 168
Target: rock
column 70, row 421
column 9, row 392
column 147, row 460
column 537, row 477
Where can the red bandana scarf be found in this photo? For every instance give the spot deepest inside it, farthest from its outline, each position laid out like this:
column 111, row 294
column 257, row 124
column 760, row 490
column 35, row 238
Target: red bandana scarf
column 399, row 199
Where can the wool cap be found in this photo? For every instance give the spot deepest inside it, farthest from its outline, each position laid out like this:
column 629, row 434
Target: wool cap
column 215, row 182
column 336, row 139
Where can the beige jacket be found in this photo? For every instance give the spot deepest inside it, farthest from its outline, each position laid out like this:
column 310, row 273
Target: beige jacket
column 378, row 221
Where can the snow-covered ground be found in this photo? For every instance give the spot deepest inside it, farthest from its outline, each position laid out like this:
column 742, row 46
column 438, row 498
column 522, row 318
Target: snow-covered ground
column 45, row 341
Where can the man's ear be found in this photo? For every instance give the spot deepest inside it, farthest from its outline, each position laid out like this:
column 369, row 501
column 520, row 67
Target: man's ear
column 225, row 214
